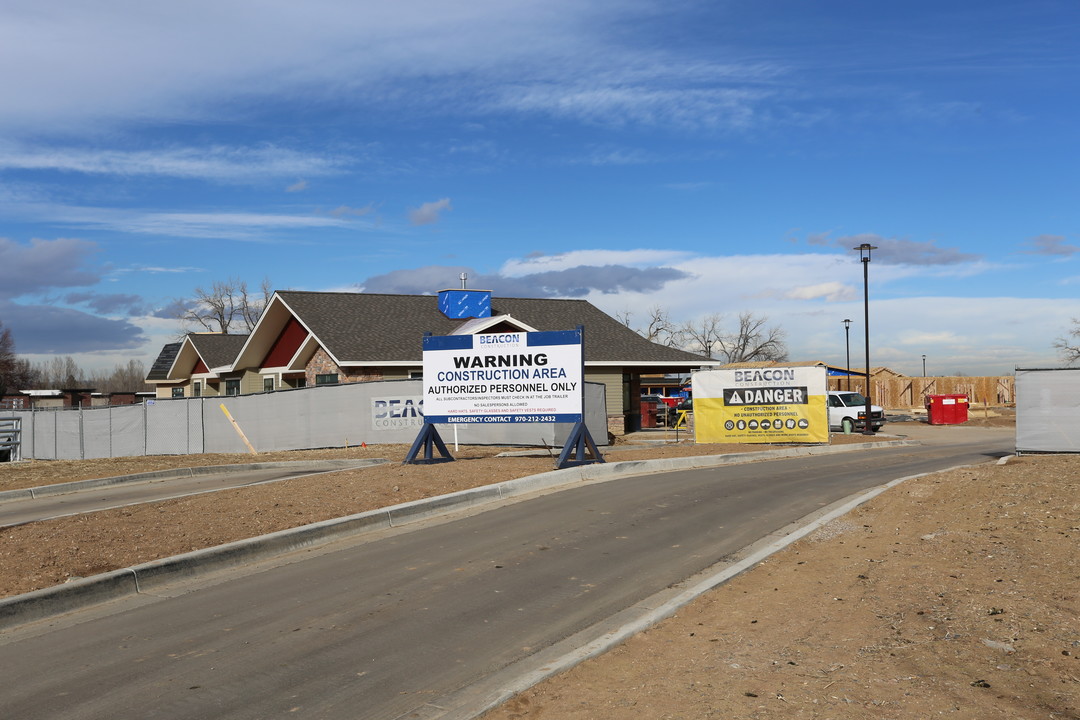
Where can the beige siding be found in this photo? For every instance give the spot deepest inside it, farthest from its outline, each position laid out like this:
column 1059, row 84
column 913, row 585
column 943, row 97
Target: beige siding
column 398, row 373
column 251, row 382
column 614, row 388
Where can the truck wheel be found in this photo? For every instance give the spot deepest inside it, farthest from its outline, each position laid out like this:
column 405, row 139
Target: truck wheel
column 847, row 425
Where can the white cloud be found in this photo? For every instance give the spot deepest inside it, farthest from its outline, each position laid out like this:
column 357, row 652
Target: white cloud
column 919, row 337
column 831, row 291
column 972, row 335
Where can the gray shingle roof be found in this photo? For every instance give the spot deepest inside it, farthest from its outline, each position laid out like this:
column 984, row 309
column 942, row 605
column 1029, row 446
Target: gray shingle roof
column 160, row 369
column 216, row 349
column 369, row 328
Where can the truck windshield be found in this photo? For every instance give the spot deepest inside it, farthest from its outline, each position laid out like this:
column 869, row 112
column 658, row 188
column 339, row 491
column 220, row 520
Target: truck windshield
column 853, row 399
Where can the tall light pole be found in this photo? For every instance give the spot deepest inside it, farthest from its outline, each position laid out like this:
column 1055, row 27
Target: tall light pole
column 864, row 257
column 847, row 346
column 924, row 366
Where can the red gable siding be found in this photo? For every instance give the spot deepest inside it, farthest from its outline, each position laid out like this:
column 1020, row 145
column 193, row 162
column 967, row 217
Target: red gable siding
column 286, row 345
column 200, row 367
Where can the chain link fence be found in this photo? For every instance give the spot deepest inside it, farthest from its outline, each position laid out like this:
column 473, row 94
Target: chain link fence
column 374, row 413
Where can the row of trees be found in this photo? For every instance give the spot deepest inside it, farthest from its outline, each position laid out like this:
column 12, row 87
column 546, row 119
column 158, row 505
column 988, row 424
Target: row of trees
column 749, row 338
column 63, row 372
column 223, row 307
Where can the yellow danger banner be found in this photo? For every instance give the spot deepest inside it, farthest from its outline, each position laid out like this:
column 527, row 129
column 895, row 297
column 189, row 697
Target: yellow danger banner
column 773, row 405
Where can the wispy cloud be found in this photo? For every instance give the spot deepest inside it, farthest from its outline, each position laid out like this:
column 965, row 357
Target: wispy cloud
column 110, row 303
column 569, row 282
column 152, row 269
column 218, row 163
column 430, row 212
column 1050, row 245
column 346, row 211
column 539, row 262
column 240, row 226
column 560, row 58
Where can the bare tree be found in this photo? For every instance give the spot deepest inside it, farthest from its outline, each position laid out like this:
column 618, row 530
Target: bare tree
column 660, row 328
column 703, row 335
column 225, row 304
column 753, row 341
column 1069, row 345
column 15, row 372
column 251, row 308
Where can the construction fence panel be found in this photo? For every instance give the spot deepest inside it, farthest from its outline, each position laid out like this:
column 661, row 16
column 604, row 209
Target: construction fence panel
column 68, row 435
column 1048, row 410
column 372, row 413
column 97, row 433
column 387, row 412
column 168, row 431
column 128, row 430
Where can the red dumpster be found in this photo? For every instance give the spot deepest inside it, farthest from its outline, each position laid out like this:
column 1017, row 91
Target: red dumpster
column 648, row 414
column 946, row 409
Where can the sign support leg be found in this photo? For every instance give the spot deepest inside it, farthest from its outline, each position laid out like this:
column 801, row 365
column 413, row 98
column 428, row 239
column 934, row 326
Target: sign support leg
column 429, row 439
column 580, row 439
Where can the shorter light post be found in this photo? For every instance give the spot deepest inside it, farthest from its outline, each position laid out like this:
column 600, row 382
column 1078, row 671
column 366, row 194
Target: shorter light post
column 924, row 366
column 847, row 347
column 864, row 258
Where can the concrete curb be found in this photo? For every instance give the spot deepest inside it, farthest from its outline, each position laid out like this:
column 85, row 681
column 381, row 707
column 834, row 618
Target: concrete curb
column 78, row 594
column 77, row 485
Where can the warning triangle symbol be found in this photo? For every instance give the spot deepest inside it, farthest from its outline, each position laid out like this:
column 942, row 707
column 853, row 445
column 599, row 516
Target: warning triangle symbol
column 735, row 398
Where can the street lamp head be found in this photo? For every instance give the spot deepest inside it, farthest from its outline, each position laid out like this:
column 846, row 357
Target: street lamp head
column 864, row 251
column 847, row 323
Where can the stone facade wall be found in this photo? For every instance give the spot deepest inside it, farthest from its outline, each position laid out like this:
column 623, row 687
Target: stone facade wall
column 322, row 364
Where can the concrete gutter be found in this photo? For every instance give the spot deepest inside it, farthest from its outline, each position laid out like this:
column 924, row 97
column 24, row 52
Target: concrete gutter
column 82, row 593
column 160, row 475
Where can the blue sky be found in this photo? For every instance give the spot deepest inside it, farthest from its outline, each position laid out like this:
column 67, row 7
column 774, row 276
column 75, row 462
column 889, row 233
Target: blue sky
column 702, row 157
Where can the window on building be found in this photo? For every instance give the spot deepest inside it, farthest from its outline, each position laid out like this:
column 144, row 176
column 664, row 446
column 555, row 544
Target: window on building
column 232, row 387
column 268, row 384
column 196, row 389
column 327, row 379
column 300, row 382
column 178, row 392
column 416, row 374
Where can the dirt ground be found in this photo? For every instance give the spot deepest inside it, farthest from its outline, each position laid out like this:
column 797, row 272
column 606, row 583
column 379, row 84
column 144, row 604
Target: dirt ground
column 955, row 595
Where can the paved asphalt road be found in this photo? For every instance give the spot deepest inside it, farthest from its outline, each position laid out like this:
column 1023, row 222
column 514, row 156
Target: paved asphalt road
column 385, row 627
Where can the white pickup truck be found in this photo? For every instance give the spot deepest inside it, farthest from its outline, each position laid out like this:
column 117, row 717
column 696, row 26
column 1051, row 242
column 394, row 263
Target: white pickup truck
column 847, row 411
